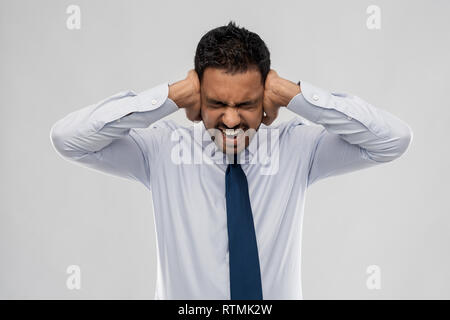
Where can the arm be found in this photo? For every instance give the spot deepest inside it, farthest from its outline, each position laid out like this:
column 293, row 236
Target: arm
column 356, row 134
column 101, row 136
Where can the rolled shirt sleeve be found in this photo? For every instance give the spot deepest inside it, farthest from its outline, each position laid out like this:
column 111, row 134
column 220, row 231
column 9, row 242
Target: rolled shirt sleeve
column 101, row 136
column 355, row 134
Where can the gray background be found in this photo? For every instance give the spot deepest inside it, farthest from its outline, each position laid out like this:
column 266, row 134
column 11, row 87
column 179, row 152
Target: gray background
column 55, row 214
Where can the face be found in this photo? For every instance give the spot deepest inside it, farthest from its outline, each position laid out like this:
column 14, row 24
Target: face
column 232, row 107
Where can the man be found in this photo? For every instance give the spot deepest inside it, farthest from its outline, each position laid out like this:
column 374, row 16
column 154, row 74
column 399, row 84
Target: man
column 229, row 218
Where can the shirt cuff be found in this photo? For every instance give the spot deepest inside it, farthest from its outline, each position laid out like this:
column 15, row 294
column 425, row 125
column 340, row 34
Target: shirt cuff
column 319, row 105
column 125, row 102
column 306, row 102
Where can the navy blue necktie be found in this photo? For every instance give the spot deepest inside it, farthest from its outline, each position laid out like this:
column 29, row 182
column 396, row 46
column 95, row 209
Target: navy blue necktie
column 245, row 276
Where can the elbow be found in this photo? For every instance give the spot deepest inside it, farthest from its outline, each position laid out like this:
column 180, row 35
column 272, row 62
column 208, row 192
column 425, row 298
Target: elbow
column 403, row 141
column 394, row 147
column 68, row 142
column 398, row 145
column 57, row 139
column 60, row 141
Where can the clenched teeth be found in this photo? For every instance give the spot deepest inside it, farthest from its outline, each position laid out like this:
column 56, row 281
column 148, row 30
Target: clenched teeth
column 232, row 132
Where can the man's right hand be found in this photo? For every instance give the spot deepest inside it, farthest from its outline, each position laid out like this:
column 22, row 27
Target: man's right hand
column 186, row 94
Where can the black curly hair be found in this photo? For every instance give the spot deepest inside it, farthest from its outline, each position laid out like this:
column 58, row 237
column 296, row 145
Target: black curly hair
column 233, row 49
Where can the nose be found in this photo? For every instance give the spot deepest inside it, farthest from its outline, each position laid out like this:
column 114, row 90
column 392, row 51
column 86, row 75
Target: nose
column 231, row 117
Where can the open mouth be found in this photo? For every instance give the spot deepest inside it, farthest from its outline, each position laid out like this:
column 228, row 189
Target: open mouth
column 232, row 133
column 232, row 137
column 231, row 140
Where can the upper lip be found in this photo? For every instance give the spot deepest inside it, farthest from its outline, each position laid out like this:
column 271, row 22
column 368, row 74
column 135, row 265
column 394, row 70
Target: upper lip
column 240, row 129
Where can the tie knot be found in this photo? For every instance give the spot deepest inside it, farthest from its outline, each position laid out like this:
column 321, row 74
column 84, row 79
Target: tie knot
column 234, row 167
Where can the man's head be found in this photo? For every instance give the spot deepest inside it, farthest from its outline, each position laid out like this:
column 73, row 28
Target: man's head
column 232, row 64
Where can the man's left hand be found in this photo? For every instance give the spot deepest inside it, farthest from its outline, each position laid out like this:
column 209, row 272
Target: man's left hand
column 278, row 92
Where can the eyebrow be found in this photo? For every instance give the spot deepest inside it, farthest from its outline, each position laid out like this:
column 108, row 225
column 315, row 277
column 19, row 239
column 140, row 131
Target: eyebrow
column 214, row 101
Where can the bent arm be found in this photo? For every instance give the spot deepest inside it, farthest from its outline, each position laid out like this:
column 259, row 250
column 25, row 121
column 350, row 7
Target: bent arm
column 101, row 136
column 356, row 134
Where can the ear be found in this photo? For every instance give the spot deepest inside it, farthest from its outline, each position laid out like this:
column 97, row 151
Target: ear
column 269, row 118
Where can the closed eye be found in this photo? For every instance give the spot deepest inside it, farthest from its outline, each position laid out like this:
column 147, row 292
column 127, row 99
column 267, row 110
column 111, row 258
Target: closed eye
column 219, row 104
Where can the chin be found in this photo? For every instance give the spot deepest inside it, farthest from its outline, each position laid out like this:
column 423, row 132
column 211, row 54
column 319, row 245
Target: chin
column 232, row 150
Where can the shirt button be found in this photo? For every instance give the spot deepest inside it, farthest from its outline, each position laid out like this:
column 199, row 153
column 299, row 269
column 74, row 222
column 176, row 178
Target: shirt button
column 315, row 97
column 154, row 101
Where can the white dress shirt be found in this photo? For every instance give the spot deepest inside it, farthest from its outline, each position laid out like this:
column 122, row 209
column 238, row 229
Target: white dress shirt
column 119, row 136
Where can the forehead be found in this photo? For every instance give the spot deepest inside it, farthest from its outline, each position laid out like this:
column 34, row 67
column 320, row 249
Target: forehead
column 216, row 84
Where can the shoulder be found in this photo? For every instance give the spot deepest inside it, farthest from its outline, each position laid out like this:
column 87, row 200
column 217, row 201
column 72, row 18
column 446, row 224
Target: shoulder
column 163, row 126
column 298, row 134
column 160, row 131
column 298, row 128
column 167, row 124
